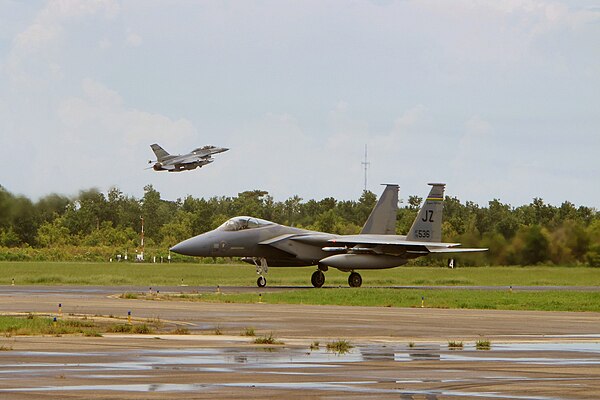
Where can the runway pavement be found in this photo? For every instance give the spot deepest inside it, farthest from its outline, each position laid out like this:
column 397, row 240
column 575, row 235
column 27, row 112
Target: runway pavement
column 398, row 352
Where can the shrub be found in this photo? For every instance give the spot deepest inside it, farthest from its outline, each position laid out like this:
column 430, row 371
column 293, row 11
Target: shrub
column 340, row 346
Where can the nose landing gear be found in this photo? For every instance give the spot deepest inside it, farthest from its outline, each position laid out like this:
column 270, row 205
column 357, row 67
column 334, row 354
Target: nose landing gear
column 261, row 281
column 261, row 268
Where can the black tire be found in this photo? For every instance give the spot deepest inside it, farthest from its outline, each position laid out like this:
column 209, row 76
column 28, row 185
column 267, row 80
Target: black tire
column 261, row 281
column 354, row 280
column 317, row 279
column 451, row 263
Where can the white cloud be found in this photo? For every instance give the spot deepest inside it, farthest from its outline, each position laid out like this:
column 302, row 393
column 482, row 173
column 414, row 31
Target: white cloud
column 133, row 39
column 104, row 44
column 38, row 44
column 459, row 91
column 409, row 119
column 36, row 37
column 475, row 147
column 500, row 35
column 101, row 112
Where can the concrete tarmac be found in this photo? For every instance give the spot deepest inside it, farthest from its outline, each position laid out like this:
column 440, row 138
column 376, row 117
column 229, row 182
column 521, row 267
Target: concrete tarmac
column 397, row 353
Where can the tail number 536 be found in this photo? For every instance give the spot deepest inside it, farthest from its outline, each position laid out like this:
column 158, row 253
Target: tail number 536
column 423, row 233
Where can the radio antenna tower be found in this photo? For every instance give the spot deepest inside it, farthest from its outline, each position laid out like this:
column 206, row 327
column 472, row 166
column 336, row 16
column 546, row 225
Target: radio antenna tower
column 366, row 165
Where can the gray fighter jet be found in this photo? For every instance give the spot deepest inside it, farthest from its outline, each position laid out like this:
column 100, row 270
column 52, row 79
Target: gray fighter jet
column 182, row 162
column 264, row 243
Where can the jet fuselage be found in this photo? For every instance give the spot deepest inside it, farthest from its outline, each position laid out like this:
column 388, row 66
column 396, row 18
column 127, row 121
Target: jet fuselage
column 250, row 242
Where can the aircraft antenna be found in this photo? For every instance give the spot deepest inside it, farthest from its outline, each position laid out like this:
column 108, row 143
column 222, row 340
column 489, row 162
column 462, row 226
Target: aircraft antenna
column 142, row 241
column 366, row 164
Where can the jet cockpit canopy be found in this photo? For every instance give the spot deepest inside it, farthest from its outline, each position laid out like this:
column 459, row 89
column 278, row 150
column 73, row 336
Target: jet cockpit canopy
column 240, row 223
column 200, row 149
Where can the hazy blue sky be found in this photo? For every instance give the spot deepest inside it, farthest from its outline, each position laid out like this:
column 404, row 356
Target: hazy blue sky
column 499, row 99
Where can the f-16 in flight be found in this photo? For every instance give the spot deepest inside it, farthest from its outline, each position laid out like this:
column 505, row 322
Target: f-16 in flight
column 182, row 162
column 264, row 243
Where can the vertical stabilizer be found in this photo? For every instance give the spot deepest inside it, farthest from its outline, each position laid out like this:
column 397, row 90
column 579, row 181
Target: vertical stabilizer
column 161, row 154
column 383, row 217
column 428, row 224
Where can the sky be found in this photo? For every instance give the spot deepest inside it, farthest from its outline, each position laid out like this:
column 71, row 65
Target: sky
column 498, row 99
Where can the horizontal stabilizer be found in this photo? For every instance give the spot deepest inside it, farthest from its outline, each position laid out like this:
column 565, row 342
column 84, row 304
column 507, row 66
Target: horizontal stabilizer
column 455, row 250
column 390, row 240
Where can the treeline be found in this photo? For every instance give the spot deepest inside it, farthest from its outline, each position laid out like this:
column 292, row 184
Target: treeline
column 94, row 223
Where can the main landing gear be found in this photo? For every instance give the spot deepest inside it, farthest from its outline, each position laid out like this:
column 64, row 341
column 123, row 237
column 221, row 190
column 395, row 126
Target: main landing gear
column 354, row 280
column 318, row 278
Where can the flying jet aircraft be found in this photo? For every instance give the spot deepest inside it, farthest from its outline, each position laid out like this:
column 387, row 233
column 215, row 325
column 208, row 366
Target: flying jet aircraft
column 264, row 243
column 181, row 162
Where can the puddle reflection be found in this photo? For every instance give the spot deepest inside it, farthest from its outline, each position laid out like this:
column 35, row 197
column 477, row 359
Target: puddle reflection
column 294, row 361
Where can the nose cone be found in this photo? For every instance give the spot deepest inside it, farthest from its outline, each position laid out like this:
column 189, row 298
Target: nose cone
column 221, row 149
column 196, row 246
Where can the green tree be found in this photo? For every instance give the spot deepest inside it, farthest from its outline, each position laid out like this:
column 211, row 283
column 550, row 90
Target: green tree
column 9, row 238
column 156, row 212
column 53, row 233
column 180, row 228
column 535, row 249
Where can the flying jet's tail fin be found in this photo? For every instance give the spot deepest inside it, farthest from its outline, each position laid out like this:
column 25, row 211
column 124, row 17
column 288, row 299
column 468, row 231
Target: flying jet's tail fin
column 161, row 154
column 427, row 227
column 383, row 217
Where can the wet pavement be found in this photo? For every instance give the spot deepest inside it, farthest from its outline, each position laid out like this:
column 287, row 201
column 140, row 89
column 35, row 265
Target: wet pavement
column 397, row 353
column 225, row 368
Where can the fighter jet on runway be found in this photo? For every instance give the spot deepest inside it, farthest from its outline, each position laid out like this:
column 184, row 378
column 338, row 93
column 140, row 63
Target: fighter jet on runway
column 264, row 243
column 181, row 162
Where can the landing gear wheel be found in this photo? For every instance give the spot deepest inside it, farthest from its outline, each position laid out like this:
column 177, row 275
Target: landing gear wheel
column 317, row 279
column 261, row 281
column 354, row 280
column 451, row 263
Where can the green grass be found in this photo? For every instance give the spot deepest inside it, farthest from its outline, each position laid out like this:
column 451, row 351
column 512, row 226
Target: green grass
column 40, row 325
column 454, row 345
column 341, row 346
column 267, row 340
column 483, row 344
column 32, row 325
column 249, row 331
column 152, row 275
column 434, row 298
column 336, row 291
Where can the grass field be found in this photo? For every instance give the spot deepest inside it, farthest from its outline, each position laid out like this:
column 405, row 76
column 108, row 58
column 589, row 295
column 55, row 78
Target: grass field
column 336, row 291
column 120, row 274
column 44, row 325
column 380, row 297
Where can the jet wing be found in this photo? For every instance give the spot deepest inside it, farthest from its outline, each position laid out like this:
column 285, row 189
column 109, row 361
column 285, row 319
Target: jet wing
column 316, row 239
column 191, row 158
column 304, row 245
column 276, row 239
